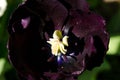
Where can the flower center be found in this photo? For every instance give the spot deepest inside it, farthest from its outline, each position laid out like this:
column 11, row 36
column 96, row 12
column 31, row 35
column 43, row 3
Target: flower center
column 58, row 43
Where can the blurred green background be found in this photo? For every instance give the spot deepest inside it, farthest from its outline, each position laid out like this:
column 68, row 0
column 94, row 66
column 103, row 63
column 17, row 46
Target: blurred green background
column 109, row 70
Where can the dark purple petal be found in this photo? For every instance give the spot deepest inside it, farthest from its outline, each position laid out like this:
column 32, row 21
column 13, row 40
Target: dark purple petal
column 85, row 23
column 100, row 43
column 50, row 9
column 91, row 27
column 79, row 4
column 59, row 76
column 56, row 11
column 25, row 48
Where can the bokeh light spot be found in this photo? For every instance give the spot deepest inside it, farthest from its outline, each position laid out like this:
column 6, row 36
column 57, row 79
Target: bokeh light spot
column 114, row 45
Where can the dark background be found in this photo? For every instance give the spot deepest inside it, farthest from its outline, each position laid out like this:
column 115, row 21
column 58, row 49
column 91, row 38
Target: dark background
column 109, row 70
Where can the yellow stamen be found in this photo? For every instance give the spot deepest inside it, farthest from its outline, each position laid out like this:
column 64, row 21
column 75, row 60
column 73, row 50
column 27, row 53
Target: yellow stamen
column 58, row 46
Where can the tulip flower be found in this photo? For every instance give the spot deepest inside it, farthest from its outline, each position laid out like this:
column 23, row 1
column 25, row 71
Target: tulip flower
column 55, row 39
